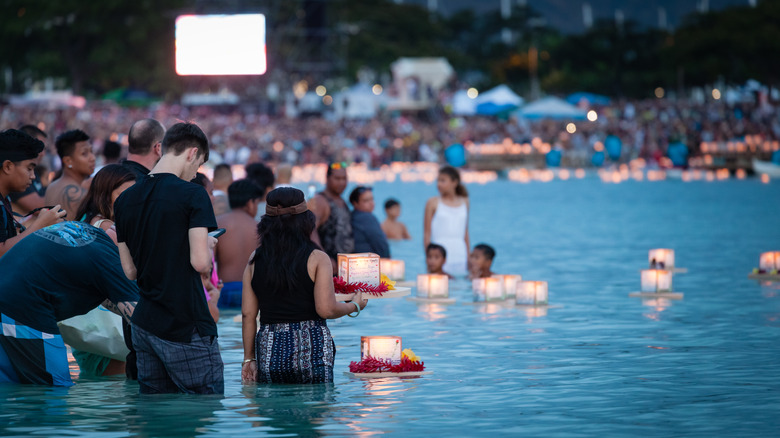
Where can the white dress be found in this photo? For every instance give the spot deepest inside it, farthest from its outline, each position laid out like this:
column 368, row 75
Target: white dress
column 448, row 229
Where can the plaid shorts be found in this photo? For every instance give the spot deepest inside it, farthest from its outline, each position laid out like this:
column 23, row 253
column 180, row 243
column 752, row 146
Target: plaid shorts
column 32, row 356
column 193, row 367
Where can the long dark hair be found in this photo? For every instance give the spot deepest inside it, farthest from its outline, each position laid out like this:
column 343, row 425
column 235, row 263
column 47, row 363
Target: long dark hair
column 453, row 173
column 285, row 241
column 98, row 199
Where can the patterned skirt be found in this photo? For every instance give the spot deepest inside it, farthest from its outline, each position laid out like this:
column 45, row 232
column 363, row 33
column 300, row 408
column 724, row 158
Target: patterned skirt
column 295, row 352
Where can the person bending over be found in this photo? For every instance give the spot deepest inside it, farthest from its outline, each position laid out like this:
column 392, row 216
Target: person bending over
column 58, row 272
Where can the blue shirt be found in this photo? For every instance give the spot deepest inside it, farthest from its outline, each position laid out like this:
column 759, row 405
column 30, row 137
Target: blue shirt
column 368, row 234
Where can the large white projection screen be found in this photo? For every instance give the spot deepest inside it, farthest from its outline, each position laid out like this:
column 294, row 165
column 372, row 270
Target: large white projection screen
column 220, row 44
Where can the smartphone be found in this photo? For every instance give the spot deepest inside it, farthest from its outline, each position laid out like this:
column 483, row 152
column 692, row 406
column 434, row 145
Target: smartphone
column 218, row 232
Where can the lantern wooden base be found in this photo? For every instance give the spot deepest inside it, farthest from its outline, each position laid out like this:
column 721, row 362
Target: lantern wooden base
column 432, row 300
column 669, row 295
column 388, row 374
column 544, row 306
column 764, row 277
column 398, row 292
column 502, row 303
column 405, row 283
column 672, row 270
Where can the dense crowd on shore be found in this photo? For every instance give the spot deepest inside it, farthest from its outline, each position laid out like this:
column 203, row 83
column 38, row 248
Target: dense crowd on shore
column 240, row 136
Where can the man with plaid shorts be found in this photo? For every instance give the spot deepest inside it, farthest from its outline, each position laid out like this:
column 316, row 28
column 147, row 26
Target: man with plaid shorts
column 162, row 227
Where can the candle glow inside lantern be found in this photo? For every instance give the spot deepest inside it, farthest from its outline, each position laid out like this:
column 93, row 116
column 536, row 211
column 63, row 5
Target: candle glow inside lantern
column 433, row 286
column 381, row 347
column 656, row 280
column 487, row 289
column 359, row 268
column 510, row 284
column 770, row 261
column 394, row 269
column 531, row 293
column 661, row 258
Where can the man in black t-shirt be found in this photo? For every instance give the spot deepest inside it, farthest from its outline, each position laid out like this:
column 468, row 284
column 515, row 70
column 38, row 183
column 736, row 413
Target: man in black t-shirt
column 162, row 227
column 32, row 198
column 144, row 144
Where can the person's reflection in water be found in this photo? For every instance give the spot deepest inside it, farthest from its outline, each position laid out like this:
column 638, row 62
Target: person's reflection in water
column 173, row 414
column 291, row 409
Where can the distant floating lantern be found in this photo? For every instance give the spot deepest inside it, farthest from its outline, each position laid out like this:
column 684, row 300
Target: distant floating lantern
column 487, row 289
column 433, row 286
column 359, row 268
column 531, row 293
column 661, row 258
column 770, row 261
column 656, row 280
column 394, row 269
column 381, row 347
column 768, row 267
column 509, row 283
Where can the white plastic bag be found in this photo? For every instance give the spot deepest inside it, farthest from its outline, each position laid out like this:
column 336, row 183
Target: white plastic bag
column 99, row 332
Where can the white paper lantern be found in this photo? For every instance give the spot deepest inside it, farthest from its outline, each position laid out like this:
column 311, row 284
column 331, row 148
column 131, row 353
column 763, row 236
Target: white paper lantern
column 433, row 286
column 531, row 293
column 656, row 280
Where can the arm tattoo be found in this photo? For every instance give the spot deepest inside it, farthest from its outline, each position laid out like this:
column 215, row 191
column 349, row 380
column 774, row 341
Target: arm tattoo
column 124, row 309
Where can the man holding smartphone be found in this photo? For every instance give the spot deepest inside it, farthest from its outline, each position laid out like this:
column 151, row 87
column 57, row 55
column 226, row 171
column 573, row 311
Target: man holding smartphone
column 162, row 227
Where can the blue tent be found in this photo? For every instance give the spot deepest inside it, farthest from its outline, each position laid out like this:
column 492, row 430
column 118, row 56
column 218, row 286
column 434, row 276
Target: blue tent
column 551, row 108
column 498, row 100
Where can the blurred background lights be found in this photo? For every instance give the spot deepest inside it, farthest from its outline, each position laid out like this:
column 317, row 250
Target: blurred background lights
column 376, row 89
column 659, row 92
column 472, row 93
column 321, row 90
column 592, row 116
column 571, row 128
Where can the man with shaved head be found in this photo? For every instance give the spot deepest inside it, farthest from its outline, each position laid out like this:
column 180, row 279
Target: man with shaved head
column 144, row 146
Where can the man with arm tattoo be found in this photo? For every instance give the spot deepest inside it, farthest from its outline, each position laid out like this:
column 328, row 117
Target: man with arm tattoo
column 58, row 272
column 78, row 163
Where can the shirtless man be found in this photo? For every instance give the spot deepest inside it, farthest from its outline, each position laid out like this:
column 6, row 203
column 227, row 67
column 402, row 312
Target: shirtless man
column 78, row 163
column 236, row 245
column 393, row 228
column 333, row 230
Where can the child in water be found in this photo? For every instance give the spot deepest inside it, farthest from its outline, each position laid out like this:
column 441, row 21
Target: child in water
column 481, row 261
column 394, row 229
column 435, row 257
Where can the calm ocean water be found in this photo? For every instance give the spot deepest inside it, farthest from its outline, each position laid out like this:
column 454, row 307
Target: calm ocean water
column 600, row 364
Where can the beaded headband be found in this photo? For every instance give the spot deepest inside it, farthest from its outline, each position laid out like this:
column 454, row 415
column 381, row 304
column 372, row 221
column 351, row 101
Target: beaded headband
column 272, row 210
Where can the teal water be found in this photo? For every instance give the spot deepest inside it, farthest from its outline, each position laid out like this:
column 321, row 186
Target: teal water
column 601, row 364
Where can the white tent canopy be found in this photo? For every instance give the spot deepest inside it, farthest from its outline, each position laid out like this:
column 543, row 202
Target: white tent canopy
column 500, row 95
column 418, row 81
column 551, row 108
column 357, row 102
column 462, row 104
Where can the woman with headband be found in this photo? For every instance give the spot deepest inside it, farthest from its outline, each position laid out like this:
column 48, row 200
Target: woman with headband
column 290, row 282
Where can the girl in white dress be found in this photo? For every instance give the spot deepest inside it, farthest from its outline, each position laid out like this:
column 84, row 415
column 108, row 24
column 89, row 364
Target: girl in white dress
column 446, row 221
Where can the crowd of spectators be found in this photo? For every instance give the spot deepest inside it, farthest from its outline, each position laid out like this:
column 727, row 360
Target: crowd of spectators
column 241, row 135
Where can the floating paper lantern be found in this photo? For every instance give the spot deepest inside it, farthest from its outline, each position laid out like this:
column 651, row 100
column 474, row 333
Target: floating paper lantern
column 394, row 269
column 770, row 261
column 509, row 283
column 531, row 293
column 381, row 347
column 433, row 286
column 487, row 289
column 661, row 258
column 656, row 280
column 359, row 268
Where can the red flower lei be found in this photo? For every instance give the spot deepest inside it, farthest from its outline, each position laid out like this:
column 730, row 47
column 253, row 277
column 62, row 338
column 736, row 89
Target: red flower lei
column 342, row 287
column 372, row 365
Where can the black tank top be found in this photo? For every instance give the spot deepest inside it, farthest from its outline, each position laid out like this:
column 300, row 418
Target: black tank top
column 283, row 305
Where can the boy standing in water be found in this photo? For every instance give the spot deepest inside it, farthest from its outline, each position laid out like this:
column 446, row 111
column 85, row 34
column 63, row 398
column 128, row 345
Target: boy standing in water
column 394, row 230
column 481, row 261
column 162, row 225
